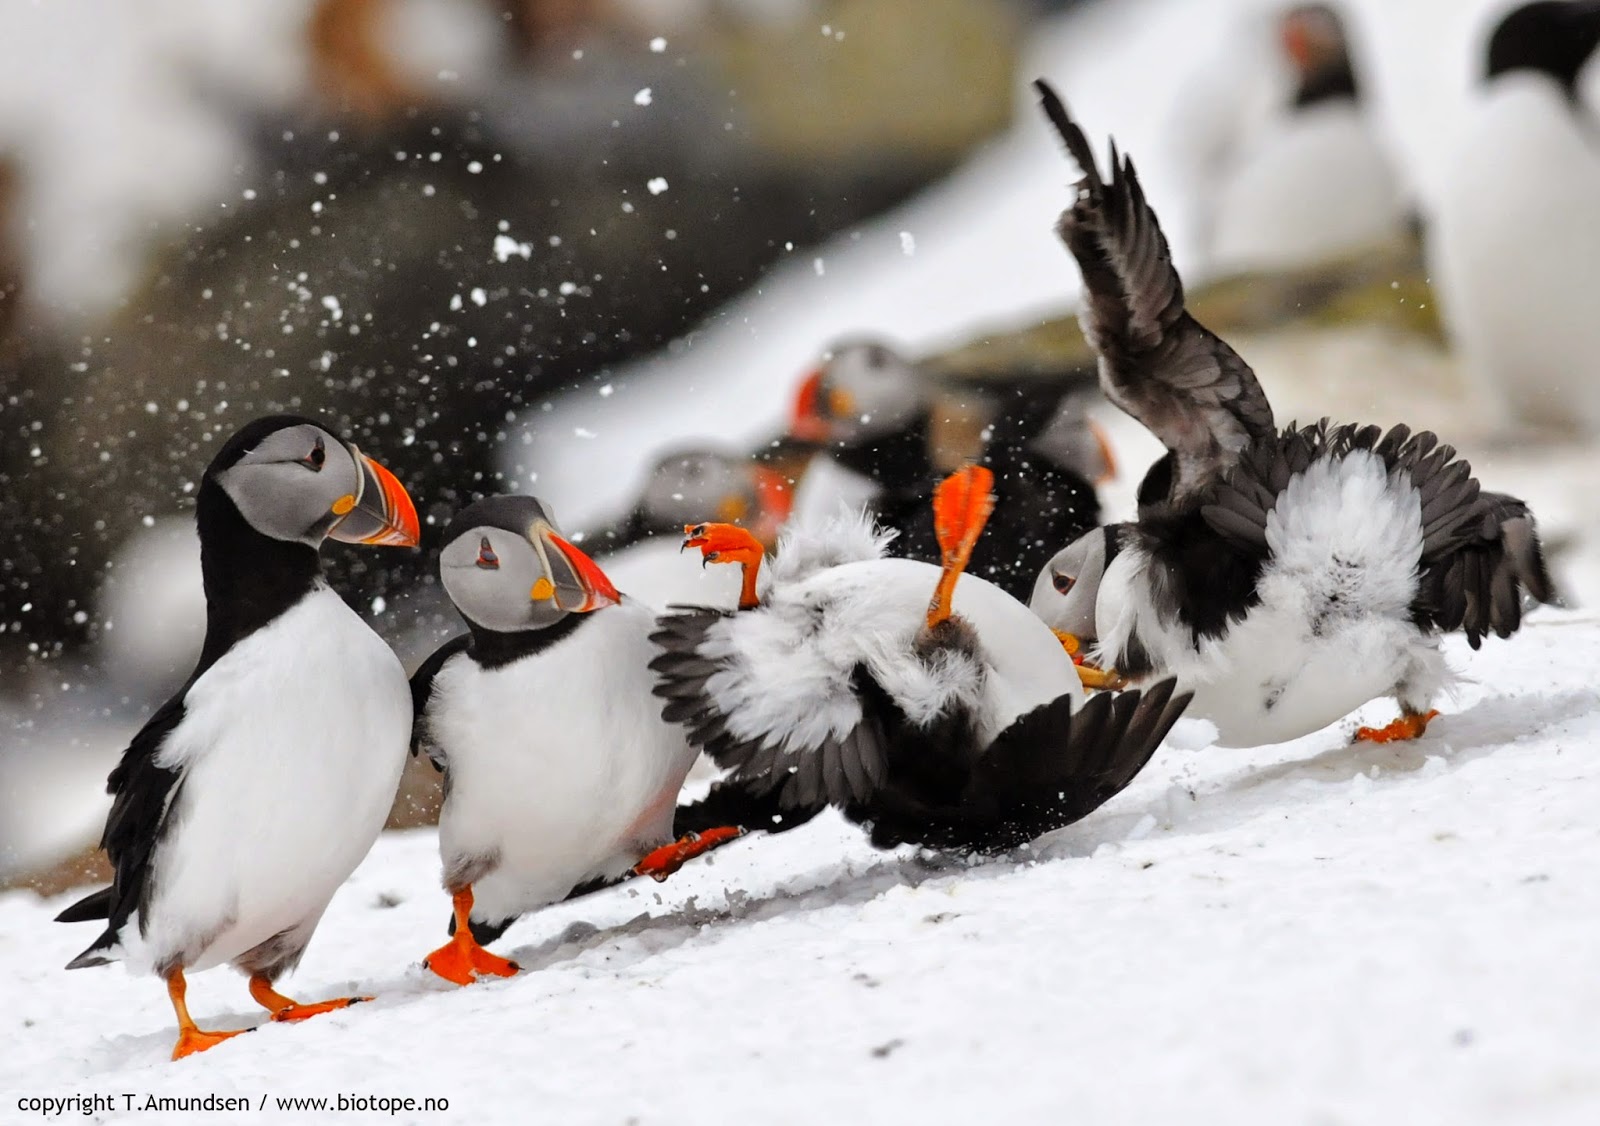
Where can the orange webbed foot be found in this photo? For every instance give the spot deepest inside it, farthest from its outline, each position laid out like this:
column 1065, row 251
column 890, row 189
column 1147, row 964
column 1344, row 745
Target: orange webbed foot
column 463, row 961
column 961, row 507
column 1090, row 676
column 1409, row 726
column 660, row 863
column 296, row 1011
column 192, row 1040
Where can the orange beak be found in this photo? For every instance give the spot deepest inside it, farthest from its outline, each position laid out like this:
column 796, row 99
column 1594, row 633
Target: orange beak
column 809, row 422
column 597, row 589
column 1108, row 456
column 382, row 514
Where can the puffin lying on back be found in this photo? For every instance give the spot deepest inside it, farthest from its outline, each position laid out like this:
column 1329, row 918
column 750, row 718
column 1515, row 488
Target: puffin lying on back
column 251, row 795
column 560, row 774
column 872, row 411
column 957, row 723
column 1287, row 577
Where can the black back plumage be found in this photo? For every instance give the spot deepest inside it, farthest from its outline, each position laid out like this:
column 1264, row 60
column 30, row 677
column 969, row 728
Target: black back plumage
column 250, row 579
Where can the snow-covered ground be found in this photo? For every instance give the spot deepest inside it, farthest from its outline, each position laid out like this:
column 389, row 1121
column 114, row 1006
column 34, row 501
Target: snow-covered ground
column 1310, row 933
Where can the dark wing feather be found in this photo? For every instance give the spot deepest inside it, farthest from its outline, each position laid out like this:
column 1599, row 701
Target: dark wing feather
column 1157, row 362
column 1478, row 576
column 1051, row 767
column 141, row 792
column 422, row 691
column 770, row 775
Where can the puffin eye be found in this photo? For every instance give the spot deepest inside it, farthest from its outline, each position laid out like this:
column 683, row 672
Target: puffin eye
column 1063, row 583
column 316, row 457
column 487, row 559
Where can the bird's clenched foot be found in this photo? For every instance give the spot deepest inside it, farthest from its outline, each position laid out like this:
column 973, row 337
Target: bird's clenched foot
column 1108, row 680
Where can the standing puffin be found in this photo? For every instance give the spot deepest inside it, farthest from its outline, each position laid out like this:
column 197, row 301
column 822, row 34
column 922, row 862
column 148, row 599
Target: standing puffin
column 873, row 412
column 1314, row 183
column 1515, row 230
column 1287, row 577
column 957, row 723
column 251, row 795
column 560, row 774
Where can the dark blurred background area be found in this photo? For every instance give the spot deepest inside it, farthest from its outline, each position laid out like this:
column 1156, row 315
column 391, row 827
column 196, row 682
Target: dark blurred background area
column 412, row 218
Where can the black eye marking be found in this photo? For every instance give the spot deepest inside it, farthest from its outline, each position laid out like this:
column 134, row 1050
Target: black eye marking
column 487, row 559
column 1063, row 583
column 317, row 456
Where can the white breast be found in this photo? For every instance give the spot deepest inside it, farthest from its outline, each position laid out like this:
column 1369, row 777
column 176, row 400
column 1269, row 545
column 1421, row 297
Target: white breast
column 1513, row 243
column 657, row 573
column 291, row 748
column 877, row 607
column 1331, row 630
column 559, row 763
column 1314, row 186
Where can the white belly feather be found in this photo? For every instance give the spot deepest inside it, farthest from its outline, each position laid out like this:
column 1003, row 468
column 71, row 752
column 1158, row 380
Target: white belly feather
column 559, row 763
column 291, row 748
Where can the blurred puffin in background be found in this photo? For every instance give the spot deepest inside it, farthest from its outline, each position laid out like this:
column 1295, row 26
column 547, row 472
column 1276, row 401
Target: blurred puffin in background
column 954, row 723
column 876, row 415
column 1287, row 160
column 560, row 774
column 1515, row 232
column 1286, row 577
column 251, row 795
column 641, row 552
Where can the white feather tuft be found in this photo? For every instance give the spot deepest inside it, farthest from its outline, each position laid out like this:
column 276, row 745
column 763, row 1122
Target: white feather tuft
column 848, row 535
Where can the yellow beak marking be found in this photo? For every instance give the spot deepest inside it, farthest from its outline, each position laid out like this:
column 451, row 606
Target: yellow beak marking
column 543, row 590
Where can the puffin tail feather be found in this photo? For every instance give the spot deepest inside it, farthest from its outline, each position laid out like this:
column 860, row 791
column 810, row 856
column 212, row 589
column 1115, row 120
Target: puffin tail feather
column 106, row 949
column 95, row 905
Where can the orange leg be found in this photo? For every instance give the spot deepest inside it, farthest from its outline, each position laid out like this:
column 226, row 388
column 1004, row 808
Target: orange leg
column 727, row 543
column 190, row 1038
column 1108, row 456
column 462, row 960
column 961, row 507
column 1408, row 726
column 283, row 1009
column 662, row 862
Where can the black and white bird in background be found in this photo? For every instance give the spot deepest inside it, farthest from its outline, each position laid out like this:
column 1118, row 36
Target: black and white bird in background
column 953, row 723
column 1515, row 229
column 250, row 796
column 1285, row 576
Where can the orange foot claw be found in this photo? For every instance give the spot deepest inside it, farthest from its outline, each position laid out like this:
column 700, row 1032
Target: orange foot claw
column 192, row 1040
column 306, row 1012
column 1408, row 726
column 662, row 862
column 463, row 961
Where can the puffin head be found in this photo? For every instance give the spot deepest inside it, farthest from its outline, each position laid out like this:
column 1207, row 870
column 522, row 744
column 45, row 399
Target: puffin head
column 507, row 568
column 1314, row 41
column 863, row 389
column 293, row 480
column 1065, row 592
column 1550, row 37
column 687, row 484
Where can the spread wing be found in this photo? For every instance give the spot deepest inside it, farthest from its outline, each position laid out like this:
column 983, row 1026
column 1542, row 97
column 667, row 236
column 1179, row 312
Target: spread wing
column 422, row 692
column 786, row 720
column 1157, row 362
column 142, row 792
column 1051, row 767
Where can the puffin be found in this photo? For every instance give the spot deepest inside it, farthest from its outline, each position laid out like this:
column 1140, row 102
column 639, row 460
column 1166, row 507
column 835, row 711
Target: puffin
column 560, row 775
column 250, row 795
column 1515, row 227
column 1303, row 178
column 1286, row 576
column 929, row 706
column 873, row 412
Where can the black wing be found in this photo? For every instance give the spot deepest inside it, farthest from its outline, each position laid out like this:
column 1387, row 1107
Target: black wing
column 1053, row 766
column 422, row 691
column 801, row 778
column 142, row 792
column 1157, row 362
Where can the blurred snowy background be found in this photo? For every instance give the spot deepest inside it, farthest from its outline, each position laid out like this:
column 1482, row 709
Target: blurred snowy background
column 530, row 244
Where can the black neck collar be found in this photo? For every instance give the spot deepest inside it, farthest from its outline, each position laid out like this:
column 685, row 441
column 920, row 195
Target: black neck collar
column 250, row 579
column 1326, row 84
column 897, row 461
column 492, row 649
